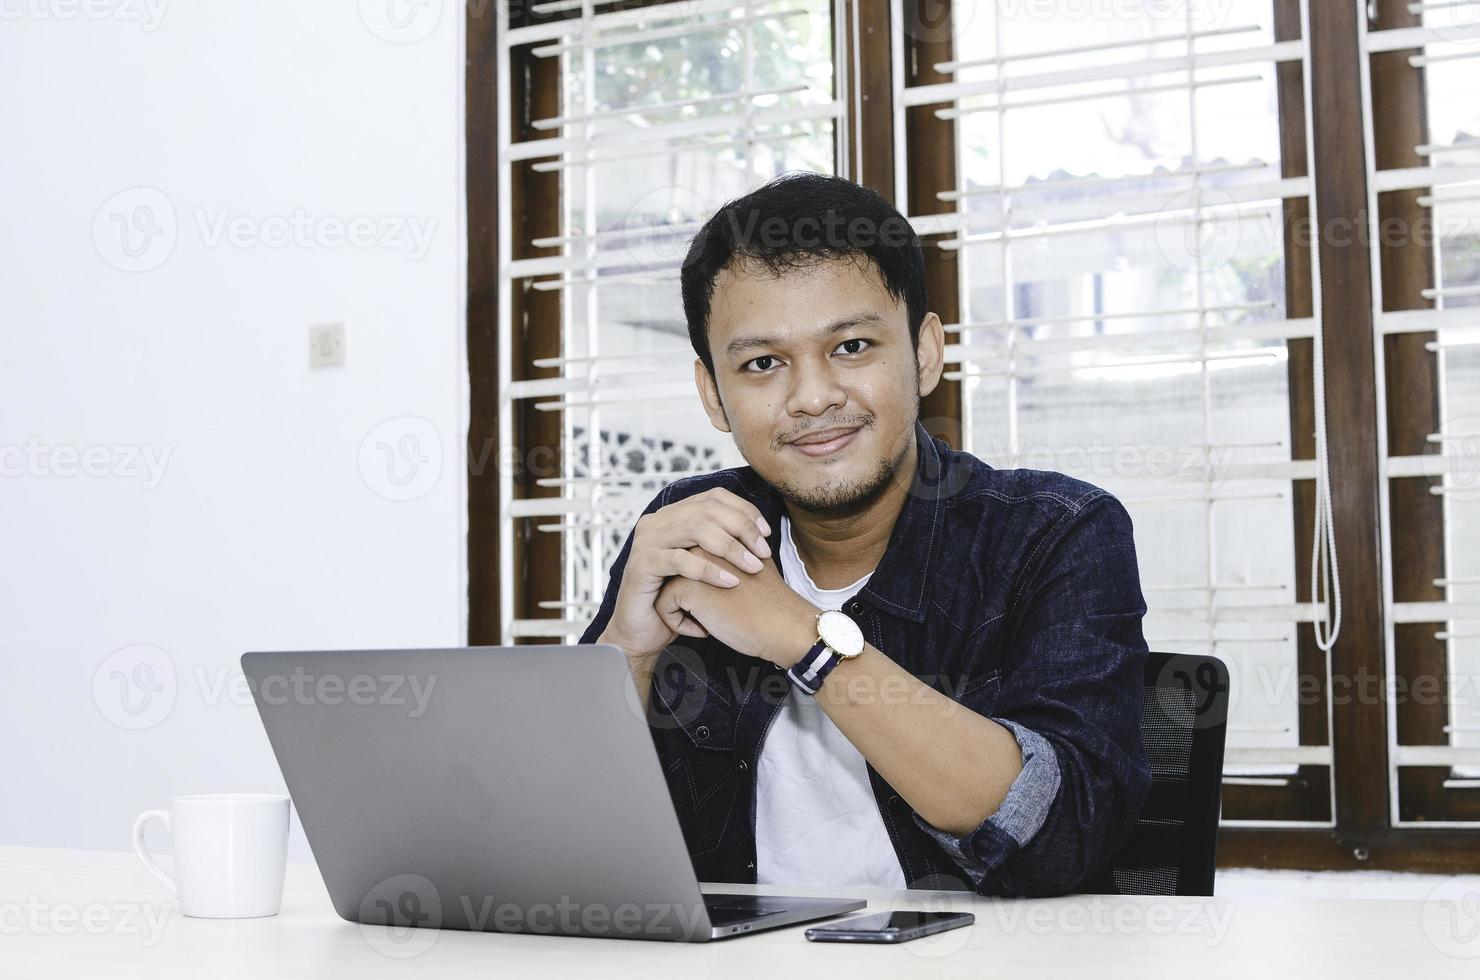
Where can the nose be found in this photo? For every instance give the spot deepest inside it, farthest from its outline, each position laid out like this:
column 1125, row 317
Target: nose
column 814, row 388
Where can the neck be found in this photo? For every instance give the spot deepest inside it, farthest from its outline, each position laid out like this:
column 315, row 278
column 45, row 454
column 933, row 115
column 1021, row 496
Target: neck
column 839, row 551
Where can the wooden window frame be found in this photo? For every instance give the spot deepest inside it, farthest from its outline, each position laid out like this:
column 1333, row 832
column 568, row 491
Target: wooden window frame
column 1363, row 836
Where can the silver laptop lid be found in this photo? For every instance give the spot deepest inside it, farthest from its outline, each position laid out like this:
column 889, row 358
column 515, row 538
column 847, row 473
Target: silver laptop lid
column 513, row 789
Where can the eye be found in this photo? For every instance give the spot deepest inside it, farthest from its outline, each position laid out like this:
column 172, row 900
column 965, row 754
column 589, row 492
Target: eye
column 855, row 340
column 746, row 367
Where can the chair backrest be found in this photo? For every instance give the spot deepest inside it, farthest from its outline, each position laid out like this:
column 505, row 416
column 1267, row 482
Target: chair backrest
column 1172, row 849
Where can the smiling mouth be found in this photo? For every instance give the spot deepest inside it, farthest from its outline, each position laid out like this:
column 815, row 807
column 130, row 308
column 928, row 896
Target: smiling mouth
column 831, row 442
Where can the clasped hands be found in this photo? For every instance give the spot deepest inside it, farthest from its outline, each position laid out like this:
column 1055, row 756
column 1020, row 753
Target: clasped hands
column 702, row 567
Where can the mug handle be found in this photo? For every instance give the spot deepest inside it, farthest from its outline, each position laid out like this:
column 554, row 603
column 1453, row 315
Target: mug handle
column 143, row 851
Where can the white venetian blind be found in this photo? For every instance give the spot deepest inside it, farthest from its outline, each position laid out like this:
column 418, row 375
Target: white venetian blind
column 1118, row 231
column 666, row 112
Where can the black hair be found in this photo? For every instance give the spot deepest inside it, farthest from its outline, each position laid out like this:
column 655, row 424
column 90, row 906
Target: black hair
column 797, row 219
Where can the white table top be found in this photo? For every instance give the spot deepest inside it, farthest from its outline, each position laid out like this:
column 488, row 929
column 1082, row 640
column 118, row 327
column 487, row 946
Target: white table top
column 97, row 914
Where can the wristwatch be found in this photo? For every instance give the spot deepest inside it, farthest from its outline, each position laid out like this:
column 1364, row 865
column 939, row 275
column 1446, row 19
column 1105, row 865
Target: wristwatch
column 838, row 639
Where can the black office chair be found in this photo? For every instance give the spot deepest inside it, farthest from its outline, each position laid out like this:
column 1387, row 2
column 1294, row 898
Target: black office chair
column 1173, row 846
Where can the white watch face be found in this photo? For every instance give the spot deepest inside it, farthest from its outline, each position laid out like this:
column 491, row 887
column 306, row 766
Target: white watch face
column 840, row 632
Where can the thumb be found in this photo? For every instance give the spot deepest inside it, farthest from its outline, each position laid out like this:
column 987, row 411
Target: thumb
column 671, row 609
column 669, row 605
column 692, row 627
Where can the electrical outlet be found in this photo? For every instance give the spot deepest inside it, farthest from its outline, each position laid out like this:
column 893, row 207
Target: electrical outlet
column 326, row 343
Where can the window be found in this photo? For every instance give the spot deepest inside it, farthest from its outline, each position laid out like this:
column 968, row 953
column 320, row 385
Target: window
column 1160, row 235
column 1423, row 154
column 1118, row 227
column 666, row 110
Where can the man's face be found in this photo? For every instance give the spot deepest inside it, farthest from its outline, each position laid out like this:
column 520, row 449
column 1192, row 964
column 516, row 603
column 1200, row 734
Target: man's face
column 821, row 347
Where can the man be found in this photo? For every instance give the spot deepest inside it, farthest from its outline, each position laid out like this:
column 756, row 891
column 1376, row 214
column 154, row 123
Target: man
column 868, row 658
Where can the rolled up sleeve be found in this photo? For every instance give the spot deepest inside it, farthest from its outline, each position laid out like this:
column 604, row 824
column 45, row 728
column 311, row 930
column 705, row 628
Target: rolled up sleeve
column 1071, row 694
column 1022, row 812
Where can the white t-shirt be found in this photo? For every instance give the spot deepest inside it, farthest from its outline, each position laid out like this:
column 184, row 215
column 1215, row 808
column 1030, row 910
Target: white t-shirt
column 816, row 820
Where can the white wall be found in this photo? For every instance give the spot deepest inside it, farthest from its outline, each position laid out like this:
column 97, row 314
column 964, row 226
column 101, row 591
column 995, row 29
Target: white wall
column 265, row 526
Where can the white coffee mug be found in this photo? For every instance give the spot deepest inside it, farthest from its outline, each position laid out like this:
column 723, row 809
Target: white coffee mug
column 231, row 851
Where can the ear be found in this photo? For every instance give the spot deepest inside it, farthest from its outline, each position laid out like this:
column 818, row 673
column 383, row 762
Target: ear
column 931, row 353
column 709, row 395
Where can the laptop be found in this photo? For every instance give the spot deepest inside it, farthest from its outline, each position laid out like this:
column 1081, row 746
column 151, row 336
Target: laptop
column 507, row 789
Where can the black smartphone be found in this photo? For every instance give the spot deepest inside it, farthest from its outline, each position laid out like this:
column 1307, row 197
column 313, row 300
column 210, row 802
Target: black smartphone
column 889, row 927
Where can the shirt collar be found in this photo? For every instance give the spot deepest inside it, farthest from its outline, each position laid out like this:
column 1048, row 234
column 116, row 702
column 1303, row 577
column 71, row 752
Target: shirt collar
column 901, row 580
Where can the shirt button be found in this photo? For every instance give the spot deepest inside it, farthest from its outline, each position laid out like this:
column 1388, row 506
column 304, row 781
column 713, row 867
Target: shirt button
column 744, row 765
column 702, row 732
column 750, row 865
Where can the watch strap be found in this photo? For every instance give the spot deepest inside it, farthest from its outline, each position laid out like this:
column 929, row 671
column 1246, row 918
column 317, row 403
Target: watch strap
column 808, row 673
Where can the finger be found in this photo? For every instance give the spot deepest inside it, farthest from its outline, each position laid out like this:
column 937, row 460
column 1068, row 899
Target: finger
column 720, row 543
column 722, row 564
column 692, row 627
column 666, row 605
column 733, row 500
column 662, row 564
column 692, row 521
column 668, row 609
column 699, row 569
column 736, row 523
column 745, row 522
column 672, row 618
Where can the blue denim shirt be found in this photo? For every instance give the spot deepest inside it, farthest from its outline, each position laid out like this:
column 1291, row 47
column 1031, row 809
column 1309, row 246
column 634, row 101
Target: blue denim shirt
column 1015, row 593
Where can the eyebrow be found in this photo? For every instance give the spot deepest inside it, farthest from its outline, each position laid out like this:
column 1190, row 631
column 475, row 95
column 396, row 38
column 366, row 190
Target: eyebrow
column 741, row 344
